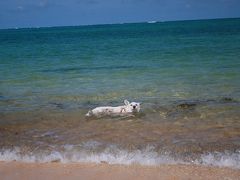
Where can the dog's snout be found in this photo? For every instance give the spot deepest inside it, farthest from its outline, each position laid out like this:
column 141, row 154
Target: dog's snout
column 134, row 107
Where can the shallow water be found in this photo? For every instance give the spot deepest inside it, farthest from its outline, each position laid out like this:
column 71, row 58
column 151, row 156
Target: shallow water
column 185, row 74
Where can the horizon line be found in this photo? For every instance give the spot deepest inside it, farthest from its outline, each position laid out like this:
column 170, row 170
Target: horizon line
column 100, row 24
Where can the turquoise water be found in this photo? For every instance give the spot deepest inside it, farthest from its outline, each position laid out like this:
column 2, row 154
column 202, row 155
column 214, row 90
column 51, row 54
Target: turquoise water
column 166, row 61
column 185, row 73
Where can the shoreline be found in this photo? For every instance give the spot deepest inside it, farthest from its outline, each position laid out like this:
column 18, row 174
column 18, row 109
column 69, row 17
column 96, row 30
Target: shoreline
column 20, row 170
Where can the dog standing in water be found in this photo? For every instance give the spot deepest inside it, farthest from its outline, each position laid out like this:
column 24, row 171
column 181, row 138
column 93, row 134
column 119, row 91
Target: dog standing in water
column 126, row 109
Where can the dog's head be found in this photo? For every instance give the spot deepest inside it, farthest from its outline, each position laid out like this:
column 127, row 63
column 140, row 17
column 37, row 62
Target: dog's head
column 133, row 106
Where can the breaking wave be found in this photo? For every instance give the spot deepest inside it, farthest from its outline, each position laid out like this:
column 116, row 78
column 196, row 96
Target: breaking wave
column 113, row 155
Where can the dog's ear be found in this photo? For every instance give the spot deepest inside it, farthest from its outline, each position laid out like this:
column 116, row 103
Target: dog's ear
column 126, row 102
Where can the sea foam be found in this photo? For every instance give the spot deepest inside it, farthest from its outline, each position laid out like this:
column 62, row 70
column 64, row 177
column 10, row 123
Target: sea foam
column 113, row 155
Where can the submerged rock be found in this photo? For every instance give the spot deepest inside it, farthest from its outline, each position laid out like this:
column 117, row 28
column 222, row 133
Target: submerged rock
column 227, row 99
column 57, row 105
column 186, row 105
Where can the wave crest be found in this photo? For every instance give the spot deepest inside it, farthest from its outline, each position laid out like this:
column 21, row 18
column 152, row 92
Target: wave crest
column 113, row 155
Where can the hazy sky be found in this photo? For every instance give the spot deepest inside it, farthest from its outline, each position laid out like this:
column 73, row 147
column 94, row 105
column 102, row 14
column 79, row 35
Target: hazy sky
column 38, row 13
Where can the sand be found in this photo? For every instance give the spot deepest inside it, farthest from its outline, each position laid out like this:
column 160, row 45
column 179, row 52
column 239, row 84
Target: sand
column 58, row 171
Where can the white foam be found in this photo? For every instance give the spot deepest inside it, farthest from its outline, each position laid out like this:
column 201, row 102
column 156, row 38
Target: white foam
column 113, row 155
column 221, row 159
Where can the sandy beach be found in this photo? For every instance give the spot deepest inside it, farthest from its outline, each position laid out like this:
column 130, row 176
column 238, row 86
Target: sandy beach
column 17, row 170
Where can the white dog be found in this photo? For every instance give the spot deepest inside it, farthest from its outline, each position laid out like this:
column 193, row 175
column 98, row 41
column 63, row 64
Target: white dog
column 126, row 109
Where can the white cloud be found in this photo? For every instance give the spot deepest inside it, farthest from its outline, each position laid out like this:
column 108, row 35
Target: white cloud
column 20, row 8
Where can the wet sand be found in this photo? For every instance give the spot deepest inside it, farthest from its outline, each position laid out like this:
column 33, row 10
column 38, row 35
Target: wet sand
column 16, row 170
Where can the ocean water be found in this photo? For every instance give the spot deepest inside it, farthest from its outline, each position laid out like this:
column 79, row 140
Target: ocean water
column 185, row 74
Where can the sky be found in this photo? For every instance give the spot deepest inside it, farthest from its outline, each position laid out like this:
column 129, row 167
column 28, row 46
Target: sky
column 45, row 13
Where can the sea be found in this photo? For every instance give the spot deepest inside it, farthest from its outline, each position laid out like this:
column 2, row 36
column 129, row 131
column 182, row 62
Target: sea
column 185, row 74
